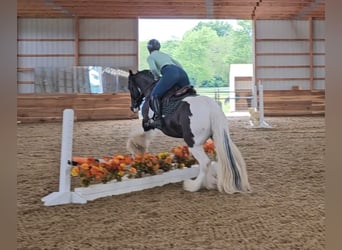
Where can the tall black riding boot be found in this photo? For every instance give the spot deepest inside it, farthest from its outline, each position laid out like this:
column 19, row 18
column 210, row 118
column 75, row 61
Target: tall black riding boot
column 156, row 107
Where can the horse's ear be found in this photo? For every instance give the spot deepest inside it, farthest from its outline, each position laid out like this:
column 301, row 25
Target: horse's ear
column 130, row 72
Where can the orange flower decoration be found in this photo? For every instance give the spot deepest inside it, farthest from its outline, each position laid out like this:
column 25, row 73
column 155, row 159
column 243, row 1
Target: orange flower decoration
column 182, row 157
column 209, row 148
column 117, row 166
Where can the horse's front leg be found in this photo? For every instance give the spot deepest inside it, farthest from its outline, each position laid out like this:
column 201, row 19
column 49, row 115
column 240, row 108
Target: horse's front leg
column 138, row 142
column 204, row 161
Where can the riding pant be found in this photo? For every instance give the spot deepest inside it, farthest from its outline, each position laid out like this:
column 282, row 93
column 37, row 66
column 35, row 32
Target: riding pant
column 171, row 75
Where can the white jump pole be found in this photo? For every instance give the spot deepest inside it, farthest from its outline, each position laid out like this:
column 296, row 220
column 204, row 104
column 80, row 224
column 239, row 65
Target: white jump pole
column 262, row 123
column 64, row 195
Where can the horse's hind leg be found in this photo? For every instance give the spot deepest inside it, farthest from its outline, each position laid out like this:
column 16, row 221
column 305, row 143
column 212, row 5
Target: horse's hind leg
column 204, row 161
column 211, row 177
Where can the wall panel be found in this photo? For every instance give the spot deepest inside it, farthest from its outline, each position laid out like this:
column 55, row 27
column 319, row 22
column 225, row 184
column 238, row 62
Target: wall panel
column 45, row 28
column 280, row 29
column 283, row 47
column 48, row 44
column 290, row 54
column 120, row 62
column 36, row 48
column 285, row 84
column 108, row 28
column 284, row 60
column 283, row 73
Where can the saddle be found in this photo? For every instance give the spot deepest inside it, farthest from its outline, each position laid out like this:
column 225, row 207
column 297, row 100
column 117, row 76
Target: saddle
column 169, row 103
column 173, row 98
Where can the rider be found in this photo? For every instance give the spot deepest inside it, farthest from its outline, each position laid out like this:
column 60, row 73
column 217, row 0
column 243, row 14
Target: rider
column 169, row 73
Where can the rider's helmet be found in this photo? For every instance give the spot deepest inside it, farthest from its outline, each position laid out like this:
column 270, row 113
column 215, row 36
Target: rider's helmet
column 153, row 45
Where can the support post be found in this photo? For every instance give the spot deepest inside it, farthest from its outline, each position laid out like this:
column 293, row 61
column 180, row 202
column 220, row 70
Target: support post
column 262, row 123
column 64, row 195
column 254, row 98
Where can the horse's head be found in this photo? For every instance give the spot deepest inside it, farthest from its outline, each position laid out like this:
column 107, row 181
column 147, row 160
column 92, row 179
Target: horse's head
column 136, row 95
column 139, row 87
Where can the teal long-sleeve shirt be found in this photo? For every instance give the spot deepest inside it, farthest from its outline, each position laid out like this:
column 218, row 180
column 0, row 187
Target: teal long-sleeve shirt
column 157, row 59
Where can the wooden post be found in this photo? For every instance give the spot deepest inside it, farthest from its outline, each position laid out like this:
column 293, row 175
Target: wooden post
column 77, row 38
column 311, row 54
column 254, row 78
column 137, row 45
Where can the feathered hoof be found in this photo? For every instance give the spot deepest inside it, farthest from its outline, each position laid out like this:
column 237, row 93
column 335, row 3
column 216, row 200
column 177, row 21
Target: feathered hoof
column 191, row 185
column 134, row 147
column 211, row 184
column 210, row 181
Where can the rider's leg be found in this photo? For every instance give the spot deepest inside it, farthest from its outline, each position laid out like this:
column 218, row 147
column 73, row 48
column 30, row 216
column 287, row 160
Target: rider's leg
column 156, row 106
column 155, row 100
column 171, row 75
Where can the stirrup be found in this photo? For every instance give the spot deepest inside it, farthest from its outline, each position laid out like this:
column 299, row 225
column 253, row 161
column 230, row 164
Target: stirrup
column 147, row 126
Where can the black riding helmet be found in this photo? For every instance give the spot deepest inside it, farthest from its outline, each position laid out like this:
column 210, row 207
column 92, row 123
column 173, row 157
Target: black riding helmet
column 153, row 45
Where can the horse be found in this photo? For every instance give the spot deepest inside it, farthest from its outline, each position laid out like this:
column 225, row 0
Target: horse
column 196, row 119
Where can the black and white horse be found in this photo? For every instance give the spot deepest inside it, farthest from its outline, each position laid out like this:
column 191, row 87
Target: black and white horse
column 195, row 119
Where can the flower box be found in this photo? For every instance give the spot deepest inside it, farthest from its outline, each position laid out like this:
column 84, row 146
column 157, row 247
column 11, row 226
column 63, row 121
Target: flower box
column 127, row 185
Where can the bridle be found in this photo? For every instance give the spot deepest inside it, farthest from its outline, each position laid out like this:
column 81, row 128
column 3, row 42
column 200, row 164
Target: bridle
column 143, row 90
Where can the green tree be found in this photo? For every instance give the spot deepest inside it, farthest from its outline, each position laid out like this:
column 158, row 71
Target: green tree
column 240, row 49
column 194, row 54
column 222, row 28
column 207, row 51
column 143, row 54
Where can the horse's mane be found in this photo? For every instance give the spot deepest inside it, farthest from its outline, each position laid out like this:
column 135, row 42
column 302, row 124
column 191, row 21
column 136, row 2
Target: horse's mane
column 146, row 72
column 146, row 75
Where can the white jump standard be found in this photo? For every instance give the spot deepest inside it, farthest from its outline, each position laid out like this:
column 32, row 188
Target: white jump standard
column 64, row 195
column 257, row 118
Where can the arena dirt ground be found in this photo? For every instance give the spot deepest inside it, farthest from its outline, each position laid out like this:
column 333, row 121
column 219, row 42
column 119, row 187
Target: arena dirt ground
column 285, row 210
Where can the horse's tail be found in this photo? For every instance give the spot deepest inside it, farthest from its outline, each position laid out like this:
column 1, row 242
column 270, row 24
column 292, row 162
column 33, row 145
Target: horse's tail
column 231, row 173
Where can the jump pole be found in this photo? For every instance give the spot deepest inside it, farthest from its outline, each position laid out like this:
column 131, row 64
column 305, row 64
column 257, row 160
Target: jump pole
column 64, row 195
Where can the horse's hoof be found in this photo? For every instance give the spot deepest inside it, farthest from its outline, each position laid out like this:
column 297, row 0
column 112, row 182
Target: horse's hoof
column 190, row 185
column 211, row 185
